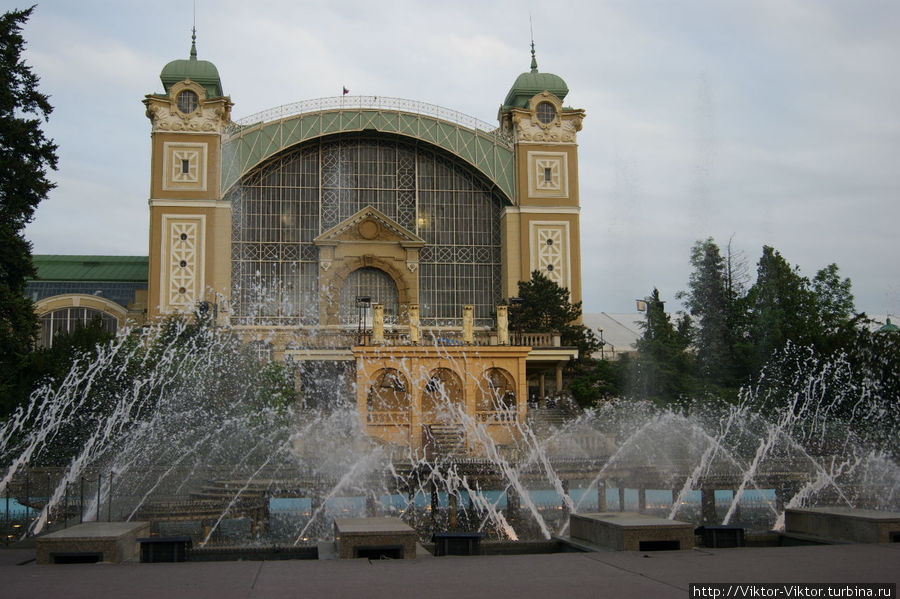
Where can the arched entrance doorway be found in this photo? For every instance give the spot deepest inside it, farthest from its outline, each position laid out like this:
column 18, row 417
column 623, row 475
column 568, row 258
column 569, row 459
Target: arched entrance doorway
column 442, row 397
column 497, row 400
column 387, row 401
column 374, row 284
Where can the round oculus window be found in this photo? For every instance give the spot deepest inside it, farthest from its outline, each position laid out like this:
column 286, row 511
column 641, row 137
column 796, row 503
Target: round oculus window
column 187, row 101
column 546, row 112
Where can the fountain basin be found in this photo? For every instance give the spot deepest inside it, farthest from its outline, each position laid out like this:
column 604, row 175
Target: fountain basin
column 374, row 538
column 92, row 542
column 630, row 531
column 844, row 524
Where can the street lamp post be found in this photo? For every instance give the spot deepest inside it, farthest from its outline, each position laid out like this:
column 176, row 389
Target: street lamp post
column 515, row 305
column 362, row 309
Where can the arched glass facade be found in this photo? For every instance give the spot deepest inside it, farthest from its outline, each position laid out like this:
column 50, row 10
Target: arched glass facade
column 280, row 207
column 65, row 320
column 374, row 284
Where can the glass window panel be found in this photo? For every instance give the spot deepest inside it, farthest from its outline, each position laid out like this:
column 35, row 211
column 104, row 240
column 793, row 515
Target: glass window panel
column 294, row 197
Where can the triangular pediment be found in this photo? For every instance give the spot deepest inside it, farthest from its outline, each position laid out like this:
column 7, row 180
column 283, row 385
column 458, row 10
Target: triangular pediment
column 369, row 225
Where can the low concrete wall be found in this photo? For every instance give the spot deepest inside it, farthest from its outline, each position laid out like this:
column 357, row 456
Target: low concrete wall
column 352, row 534
column 843, row 524
column 116, row 542
column 627, row 531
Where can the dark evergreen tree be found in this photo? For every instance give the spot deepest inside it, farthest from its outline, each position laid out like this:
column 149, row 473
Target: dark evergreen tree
column 712, row 305
column 25, row 157
column 662, row 369
column 783, row 308
column 834, row 298
column 546, row 307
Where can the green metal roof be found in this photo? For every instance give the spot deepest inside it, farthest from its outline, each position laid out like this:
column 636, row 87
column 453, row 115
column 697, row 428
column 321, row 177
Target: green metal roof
column 200, row 71
column 91, row 268
column 530, row 84
column 489, row 153
column 889, row 327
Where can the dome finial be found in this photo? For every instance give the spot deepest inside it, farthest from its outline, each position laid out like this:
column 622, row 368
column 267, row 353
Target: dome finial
column 193, row 43
column 533, row 59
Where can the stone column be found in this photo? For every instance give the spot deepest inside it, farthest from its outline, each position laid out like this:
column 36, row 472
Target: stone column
column 413, row 312
column 642, row 499
column 377, row 323
column 621, row 497
column 468, row 324
column 503, row 325
column 601, row 495
column 559, row 382
column 434, row 500
column 736, row 516
column 452, row 501
column 316, row 503
column 707, row 505
column 512, row 503
column 542, row 400
column 411, row 506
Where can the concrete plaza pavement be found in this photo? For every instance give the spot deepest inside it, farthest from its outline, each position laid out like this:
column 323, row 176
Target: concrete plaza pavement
column 608, row 574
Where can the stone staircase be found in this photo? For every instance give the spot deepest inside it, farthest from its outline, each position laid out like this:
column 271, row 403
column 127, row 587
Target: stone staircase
column 543, row 420
column 445, row 440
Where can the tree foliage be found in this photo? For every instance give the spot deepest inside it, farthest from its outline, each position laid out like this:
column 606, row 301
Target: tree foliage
column 546, row 307
column 737, row 329
column 25, row 157
column 179, row 373
column 662, row 369
column 712, row 302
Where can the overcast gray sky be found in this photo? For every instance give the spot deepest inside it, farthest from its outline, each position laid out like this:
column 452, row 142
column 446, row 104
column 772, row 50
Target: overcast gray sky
column 766, row 122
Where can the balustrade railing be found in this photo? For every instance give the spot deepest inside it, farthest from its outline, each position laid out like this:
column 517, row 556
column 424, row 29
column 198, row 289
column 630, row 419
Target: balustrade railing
column 496, row 416
column 400, row 418
column 539, row 339
column 329, row 338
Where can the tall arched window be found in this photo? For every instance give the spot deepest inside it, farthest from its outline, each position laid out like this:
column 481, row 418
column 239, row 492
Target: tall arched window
column 65, row 320
column 374, row 284
column 281, row 206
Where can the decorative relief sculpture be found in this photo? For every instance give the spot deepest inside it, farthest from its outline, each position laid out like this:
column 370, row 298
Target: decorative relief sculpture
column 182, row 263
column 550, row 253
column 530, row 129
column 207, row 119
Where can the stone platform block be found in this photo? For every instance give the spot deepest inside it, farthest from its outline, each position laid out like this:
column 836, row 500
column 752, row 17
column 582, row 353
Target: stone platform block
column 374, row 538
column 630, row 531
column 113, row 542
column 844, row 524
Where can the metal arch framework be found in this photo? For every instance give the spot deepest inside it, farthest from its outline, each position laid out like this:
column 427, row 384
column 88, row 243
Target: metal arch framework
column 253, row 139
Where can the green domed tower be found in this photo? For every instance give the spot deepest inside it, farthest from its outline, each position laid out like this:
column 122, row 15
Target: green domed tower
column 542, row 229
column 200, row 71
column 190, row 225
column 529, row 84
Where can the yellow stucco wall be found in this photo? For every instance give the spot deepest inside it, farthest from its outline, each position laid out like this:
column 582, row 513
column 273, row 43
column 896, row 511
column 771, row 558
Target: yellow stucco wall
column 417, row 363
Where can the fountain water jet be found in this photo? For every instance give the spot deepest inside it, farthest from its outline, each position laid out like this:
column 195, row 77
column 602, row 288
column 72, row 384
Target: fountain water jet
column 173, row 408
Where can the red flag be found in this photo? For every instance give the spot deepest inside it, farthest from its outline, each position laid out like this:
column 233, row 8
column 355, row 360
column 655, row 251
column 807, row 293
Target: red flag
column 346, row 91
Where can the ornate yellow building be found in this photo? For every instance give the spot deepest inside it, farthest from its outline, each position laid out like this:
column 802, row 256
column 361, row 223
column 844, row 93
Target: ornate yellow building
column 383, row 234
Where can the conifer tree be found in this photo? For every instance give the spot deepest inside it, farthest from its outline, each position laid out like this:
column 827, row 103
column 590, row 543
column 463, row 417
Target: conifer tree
column 662, row 370
column 546, row 307
column 783, row 308
column 25, row 157
column 711, row 305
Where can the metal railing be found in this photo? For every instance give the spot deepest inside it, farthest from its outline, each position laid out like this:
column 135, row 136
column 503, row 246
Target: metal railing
column 369, row 103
